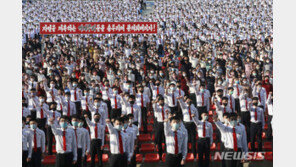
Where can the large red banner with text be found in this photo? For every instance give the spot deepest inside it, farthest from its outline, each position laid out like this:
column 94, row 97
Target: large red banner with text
column 98, row 27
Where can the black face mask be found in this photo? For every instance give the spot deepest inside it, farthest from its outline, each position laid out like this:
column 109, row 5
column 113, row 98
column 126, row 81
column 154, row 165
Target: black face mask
column 99, row 98
column 157, row 84
column 97, row 120
column 141, row 91
column 225, row 104
column 53, row 108
column 255, row 104
column 162, row 104
column 25, row 104
column 220, row 96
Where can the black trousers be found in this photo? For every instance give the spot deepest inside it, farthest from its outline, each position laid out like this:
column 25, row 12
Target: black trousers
column 95, row 148
column 133, row 162
column 115, row 113
column 24, row 159
column 118, row 160
column 256, row 130
column 159, row 137
column 79, row 158
column 192, row 96
column 233, row 162
column 144, row 118
column 237, row 106
column 173, row 160
column 41, row 124
column 203, row 151
column 84, row 161
column 222, row 148
column 33, row 114
column 191, row 129
column 36, row 158
column 49, row 140
column 269, row 129
column 63, row 160
column 245, row 120
column 78, row 108
column 201, row 110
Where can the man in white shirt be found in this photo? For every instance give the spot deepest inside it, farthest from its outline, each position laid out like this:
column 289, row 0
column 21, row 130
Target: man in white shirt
column 132, row 108
column 76, row 95
column 87, row 143
column 245, row 103
column 41, row 109
column 171, row 97
column 65, row 143
column 156, row 90
column 235, row 139
column 202, row 100
column 116, row 103
column 260, row 92
column 26, row 144
column 189, row 114
column 118, row 143
column 269, row 104
column 70, row 107
column 97, row 133
column 231, row 99
column 38, row 144
column 237, row 90
column 176, row 142
column 133, row 128
column 205, row 139
column 142, row 100
column 257, row 124
column 25, row 110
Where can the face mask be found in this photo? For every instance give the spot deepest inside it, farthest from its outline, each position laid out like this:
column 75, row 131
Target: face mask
column 225, row 104
column 125, row 125
column 219, row 82
column 118, row 127
column 172, row 88
column 80, row 124
column 175, row 126
column 233, row 122
column 63, row 125
column 41, row 100
column 184, row 75
column 238, row 120
column 115, row 91
column 97, row 120
column 231, row 92
column 132, row 102
column 237, row 82
column 74, row 85
column 75, row 123
column 33, row 126
column 205, row 118
column 96, row 104
column 130, row 121
column 161, row 74
column 255, row 104
column 202, row 90
column 220, row 96
column 51, row 85
column 157, row 84
column 86, row 93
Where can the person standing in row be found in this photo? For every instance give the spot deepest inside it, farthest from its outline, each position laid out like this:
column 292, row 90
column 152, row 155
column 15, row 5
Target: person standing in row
column 26, row 144
column 38, row 144
column 65, row 143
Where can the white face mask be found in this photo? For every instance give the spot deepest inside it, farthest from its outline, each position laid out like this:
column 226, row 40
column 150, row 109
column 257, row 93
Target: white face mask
column 41, row 100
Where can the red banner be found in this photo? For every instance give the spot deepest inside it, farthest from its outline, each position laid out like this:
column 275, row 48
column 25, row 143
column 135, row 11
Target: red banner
column 98, row 27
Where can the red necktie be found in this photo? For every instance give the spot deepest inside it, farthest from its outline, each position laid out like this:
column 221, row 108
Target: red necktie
column 35, row 141
column 189, row 111
column 52, row 97
column 115, row 102
column 68, row 114
column 246, row 101
column 142, row 101
column 202, row 98
column 75, row 96
column 120, row 143
column 237, row 90
column 96, row 130
column 64, row 141
column 41, row 114
column 86, row 104
column 173, row 99
column 179, row 92
column 76, row 136
column 204, row 129
column 132, row 110
column 162, row 113
column 176, row 143
column 220, row 101
column 255, row 114
column 53, row 114
column 157, row 91
column 61, row 106
column 234, row 140
column 224, row 109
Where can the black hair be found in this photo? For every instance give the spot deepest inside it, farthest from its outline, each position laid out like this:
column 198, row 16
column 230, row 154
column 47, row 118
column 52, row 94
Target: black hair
column 23, row 119
column 174, row 118
column 224, row 98
column 130, row 115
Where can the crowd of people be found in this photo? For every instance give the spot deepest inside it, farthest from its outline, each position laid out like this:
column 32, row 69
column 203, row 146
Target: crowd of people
column 209, row 56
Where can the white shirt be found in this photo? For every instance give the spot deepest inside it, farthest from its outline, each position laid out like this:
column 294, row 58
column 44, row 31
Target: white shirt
column 100, row 130
column 106, row 91
column 154, row 91
column 27, row 141
column 102, row 110
column 185, row 110
column 261, row 94
column 170, row 140
column 202, row 99
column 237, row 91
column 70, row 140
column 139, row 97
column 260, row 115
column 78, row 94
column 231, row 102
column 87, row 139
column 208, row 129
column 136, row 111
column 171, row 99
column 40, row 139
column 25, row 112
column 159, row 112
column 244, row 103
column 67, row 105
column 118, row 101
column 51, row 93
column 80, row 138
column 85, row 100
column 129, row 132
column 41, row 111
column 220, row 109
column 114, row 140
column 51, row 114
column 241, row 136
column 269, row 106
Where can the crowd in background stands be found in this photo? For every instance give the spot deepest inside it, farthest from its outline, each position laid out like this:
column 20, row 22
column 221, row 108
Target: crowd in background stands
column 220, row 48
